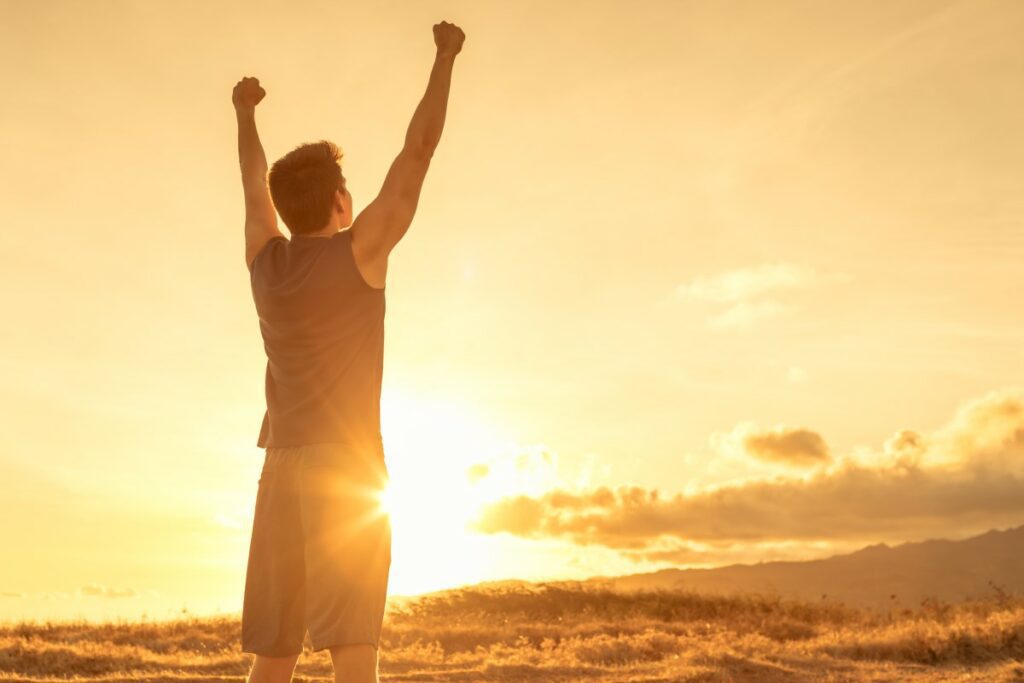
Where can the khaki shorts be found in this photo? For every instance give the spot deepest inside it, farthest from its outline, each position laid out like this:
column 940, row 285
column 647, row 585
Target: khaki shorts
column 320, row 551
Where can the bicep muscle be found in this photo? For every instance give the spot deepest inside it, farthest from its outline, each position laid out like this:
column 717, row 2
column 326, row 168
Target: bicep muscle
column 386, row 219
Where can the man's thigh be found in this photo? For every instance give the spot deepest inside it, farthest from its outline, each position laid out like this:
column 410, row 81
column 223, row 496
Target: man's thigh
column 273, row 618
column 347, row 542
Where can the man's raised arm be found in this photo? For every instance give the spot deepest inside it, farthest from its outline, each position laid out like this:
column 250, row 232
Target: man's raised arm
column 384, row 221
column 260, row 217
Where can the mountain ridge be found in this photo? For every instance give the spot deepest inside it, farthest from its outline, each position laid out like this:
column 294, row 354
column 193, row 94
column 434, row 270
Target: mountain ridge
column 876, row 575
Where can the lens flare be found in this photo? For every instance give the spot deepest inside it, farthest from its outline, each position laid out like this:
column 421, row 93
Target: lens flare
column 385, row 500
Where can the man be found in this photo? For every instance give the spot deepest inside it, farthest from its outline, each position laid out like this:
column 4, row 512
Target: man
column 320, row 551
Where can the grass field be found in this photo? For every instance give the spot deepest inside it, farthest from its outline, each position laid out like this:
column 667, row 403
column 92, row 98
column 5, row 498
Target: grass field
column 568, row 632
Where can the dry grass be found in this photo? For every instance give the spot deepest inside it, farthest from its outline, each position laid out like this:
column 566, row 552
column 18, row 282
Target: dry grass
column 567, row 632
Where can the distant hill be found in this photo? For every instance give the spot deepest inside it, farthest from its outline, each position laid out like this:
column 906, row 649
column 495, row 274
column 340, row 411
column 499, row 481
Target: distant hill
column 947, row 570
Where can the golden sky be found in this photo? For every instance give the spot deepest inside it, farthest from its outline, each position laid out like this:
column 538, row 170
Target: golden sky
column 773, row 248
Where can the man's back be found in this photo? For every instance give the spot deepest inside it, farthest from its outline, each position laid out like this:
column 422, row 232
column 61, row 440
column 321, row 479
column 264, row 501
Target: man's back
column 323, row 331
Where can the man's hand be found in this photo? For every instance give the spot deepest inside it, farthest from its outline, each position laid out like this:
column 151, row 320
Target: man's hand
column 448, row 38
column 247, row 93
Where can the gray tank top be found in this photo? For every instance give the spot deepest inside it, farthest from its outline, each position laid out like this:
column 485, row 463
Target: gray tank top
column 323, row 331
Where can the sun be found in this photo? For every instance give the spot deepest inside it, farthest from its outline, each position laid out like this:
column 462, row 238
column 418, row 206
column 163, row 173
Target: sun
column 429, row 446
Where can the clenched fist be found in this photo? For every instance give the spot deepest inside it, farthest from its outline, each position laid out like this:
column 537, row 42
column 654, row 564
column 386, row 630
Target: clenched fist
column 247, row 93
column 448, row 37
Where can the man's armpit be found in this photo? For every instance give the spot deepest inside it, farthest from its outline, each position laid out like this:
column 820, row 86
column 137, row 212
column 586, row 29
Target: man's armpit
column 262, row 249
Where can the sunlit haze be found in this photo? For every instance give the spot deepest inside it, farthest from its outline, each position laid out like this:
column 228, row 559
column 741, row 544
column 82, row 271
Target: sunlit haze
column 689, row 284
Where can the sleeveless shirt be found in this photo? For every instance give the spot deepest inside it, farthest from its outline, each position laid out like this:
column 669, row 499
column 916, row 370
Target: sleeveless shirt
column 323, row 332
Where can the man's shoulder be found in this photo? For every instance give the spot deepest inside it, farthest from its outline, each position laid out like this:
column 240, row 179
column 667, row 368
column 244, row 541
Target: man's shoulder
column 272, row 243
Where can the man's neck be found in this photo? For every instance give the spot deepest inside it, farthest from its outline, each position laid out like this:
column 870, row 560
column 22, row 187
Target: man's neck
column 329, row 232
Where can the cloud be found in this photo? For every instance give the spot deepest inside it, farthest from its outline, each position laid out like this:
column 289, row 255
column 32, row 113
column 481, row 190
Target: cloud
column 477, row 472
column 523, row 469
column 94, row 590
column 744, row 291
column 855, row 502
column 904, row 496
column 790, row 446
column 991, row 426
column 55, row 595
column 905, row 447
column 716, row 554
column 517, row 515
column 744, row 314
column 745, row 283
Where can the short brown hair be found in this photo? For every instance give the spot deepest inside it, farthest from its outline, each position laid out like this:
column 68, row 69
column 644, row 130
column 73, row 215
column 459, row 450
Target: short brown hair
column 302, row 185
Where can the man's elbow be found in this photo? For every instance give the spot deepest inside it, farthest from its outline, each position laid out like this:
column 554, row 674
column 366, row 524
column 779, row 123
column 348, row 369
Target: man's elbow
column 254, row 178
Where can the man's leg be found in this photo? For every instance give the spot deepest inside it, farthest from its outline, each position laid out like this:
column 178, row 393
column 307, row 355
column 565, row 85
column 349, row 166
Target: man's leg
column 273, row 625
column 272, row 669
column 354, row 663
column 347, row 544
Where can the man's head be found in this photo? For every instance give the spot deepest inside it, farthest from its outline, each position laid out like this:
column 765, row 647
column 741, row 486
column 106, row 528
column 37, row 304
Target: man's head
column 308, row 188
